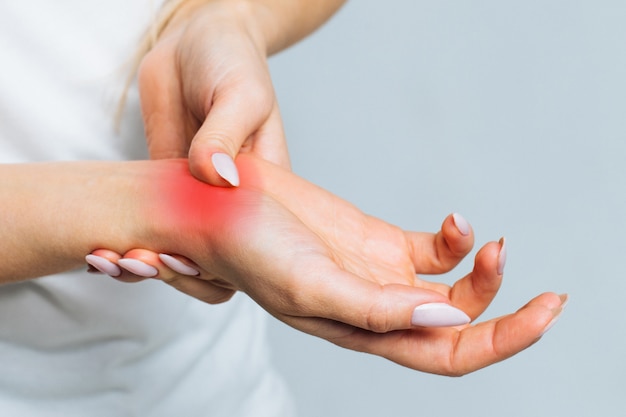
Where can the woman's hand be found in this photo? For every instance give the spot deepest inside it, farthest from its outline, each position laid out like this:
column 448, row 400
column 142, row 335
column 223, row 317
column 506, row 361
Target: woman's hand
column 320, row 265
column 205, row 89
column 179, row 272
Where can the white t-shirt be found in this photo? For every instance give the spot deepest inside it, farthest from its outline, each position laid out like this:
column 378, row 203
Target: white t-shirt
column 77, row 344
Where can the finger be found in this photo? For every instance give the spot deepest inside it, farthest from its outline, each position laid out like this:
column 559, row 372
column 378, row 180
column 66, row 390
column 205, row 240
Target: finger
column 168, row 126
column 440, row 252
column 149, row 264
column 152, row 264
column 180, row 264
column 228, row 124
column 454, row 352
column 331, row 293
column 474, row 292
column 143, row 263
column 189, row 280
column 106, row 261
column 496, row 340
column 103, row 261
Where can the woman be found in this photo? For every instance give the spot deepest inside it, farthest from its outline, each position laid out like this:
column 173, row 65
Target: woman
column 78, row 344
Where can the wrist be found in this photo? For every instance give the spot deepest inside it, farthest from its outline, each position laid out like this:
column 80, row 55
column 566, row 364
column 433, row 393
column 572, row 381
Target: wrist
column 190, row 217
column 272, row 24
column 219, row 16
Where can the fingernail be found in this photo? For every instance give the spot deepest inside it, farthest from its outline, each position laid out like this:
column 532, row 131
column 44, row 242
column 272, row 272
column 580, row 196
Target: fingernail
column 557, row 313
column 550, row 325
column 139, row 268
column 438, row 315
column 552, row 322
column 226, row 168
column 461, row 224
column 103, row 265
column 502, row 256
column 177, row 265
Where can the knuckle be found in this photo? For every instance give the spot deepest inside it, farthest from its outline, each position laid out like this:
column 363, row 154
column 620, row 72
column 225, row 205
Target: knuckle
column 379, row 317
column 457, row 366
column 215, row 140
column 455, row 372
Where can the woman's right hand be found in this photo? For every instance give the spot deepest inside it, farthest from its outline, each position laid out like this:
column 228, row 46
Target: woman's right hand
column 320, row 265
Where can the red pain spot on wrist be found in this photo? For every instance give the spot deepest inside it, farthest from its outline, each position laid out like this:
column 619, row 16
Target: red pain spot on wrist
column 190, row 205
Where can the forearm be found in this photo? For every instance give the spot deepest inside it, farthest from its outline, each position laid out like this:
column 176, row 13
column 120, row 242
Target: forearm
column 276, row 24
column 53, row 214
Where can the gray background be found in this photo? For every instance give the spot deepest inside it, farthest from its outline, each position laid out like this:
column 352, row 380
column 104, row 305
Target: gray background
column 510, row 113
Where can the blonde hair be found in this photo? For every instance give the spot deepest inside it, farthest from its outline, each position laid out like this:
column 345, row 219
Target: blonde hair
column 161, row 20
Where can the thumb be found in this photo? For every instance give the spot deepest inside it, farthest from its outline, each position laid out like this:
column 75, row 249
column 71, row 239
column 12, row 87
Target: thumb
column 346, row 298
column 218, row 141
column 212, row 158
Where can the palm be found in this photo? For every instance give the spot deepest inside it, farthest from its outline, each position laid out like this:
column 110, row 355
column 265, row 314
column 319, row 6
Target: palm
column 362, row 272
column 320, row 265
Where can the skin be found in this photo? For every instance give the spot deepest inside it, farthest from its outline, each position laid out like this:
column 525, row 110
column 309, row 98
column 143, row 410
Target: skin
column 205, row 85
column 309, row 258
column 320, row 265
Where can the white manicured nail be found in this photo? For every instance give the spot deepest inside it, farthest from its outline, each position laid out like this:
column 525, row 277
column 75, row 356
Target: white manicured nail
column 502, row 257
column 103, row 265
column 461, row 224
column 139, row 268
column 438, row 315
column 178, row 266
column 552, row 322
column 550, row 325
column 226, row 168
column 557, row 313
